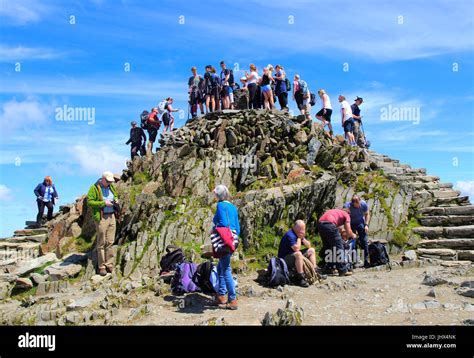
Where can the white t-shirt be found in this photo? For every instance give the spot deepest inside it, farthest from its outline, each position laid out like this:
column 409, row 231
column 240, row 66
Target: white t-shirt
column 253, row 77
column 328, row 102
column 348, row 111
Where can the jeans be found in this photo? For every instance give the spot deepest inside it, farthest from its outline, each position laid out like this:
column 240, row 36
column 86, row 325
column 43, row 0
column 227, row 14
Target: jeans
column 363, row 240
column 253, row 102
column 41, row 205
column 226, row 281
column 332, row 241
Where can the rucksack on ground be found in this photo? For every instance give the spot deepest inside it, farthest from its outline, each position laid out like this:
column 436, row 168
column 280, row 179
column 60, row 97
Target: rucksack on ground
column 182, row 281
column 312, row 101
column 308, row 269
column 173, row 257
column 278, row 274
column 205, row 277
column 378, row 254
column 144, row 119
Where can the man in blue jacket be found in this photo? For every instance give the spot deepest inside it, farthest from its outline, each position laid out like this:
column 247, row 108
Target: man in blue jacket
column 46, row 196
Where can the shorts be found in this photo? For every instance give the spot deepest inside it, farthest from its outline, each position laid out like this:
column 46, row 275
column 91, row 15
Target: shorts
column 214, row 92
column 327, row 116
column 226, row 90
column 266, row 88
column 299, row 100
column 152, row 133
column 348, row 125
column 166, row 118
column 290, row 258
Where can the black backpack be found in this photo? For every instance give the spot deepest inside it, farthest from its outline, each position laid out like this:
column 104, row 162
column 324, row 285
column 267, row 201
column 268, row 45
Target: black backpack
column 288, row 84
column 278, row 274
column 378, row 254
column 201, row 277
column 312, row 101
column 144, row 119
column 174, row 256
column 231, row 78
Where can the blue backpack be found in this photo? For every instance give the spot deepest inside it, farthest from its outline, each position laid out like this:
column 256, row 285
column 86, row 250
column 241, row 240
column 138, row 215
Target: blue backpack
column 182, row 281
column 278, row 274
column 303, row 87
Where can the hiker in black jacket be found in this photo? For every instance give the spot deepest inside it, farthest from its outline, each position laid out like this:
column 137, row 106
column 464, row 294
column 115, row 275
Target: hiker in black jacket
column 136, row 136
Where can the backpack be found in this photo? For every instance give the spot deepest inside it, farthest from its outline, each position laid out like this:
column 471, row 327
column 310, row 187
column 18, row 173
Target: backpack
column 162, row 107
column 204, row 276
column 303, row 87
column 288, row 84
column 312, row 101
column 214, row 80
column 309, row 272
column 231, row 78
column 278, row 274
column 174, row 256
column 144, row 119
column 182, row 281
column 378, row 254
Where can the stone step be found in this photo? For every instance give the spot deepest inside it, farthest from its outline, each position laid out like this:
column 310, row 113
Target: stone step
column 35, row 238
column 458, row 244
column 466, row 255
column 445, row 194
column 448, row 220
column 442, row 254
column 455, row 210
column 460, row 200
column 437, row 232
column 30, row 232
column 28, row 266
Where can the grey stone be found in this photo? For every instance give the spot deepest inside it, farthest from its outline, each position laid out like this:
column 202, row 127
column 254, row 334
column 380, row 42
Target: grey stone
column 31, row 265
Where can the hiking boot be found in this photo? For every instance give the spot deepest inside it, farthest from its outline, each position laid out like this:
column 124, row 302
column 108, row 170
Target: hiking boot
column 301, row 281
column 109, row 269
column 347, row 273
column 232, row 305
column 367, row 265
column 219, row 300
column 103, row 272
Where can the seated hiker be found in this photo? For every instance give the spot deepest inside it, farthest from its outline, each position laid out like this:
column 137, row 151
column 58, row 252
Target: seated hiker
column 290, row 250
column 226, row 216
column 138, row 140
column 360, row 216
column 46, row 196
column 333, row 246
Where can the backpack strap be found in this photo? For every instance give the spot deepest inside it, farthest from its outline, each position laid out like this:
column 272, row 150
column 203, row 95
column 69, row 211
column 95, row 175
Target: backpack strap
column 101, row 198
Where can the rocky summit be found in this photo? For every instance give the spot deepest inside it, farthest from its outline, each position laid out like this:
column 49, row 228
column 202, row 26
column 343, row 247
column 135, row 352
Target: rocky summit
column 277, row 167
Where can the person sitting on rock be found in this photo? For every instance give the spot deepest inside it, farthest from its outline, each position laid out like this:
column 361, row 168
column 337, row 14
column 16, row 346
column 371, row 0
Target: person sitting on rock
column 138, row 140
column 333, row 246
column 153, row 127
column 290, row 251
column 46, row 196
column 226, row 216
column 360, row 216
column 324, row 115
column 101, row 198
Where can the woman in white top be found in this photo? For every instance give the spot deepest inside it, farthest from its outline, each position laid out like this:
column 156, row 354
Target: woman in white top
column 252, row 80
column 324, row 115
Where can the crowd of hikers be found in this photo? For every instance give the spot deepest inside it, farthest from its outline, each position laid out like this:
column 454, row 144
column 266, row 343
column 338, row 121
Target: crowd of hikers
column 213, row 92
column 340, row 229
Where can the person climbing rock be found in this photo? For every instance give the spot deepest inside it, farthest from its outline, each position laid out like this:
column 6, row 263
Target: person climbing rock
column 137, row 139
column 46, row 197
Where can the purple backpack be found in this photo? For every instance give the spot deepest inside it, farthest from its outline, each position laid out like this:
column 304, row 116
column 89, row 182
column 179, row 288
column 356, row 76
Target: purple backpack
column 182, row 281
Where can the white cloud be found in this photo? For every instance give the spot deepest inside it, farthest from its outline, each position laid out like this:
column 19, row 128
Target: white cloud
column 24, row 114
column 22, row 12
column 466, row 188
column 21, row 53
column 94, row 160
column 5, row 193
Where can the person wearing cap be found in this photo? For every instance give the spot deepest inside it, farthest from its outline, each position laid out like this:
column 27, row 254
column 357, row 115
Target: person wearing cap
column 358, row 135
column 101, row 198
column 138, row 140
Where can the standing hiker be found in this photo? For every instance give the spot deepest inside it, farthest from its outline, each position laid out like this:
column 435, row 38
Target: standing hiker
column 347, row 120
column 333, row 246
column 195, row 91
column 265, row 84
column 138, row 140
column 153, row 125
column 358, row 134
column 226, row 216
column 281, row 90
column 46, row 196
column 252, row 83
column 227, row 83
column 290, row 251
column 102, row 198
column 324, row 115
column 360, row 217
column 167, row 116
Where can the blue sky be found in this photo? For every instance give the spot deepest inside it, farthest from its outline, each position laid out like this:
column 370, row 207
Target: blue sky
column 397, row 55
